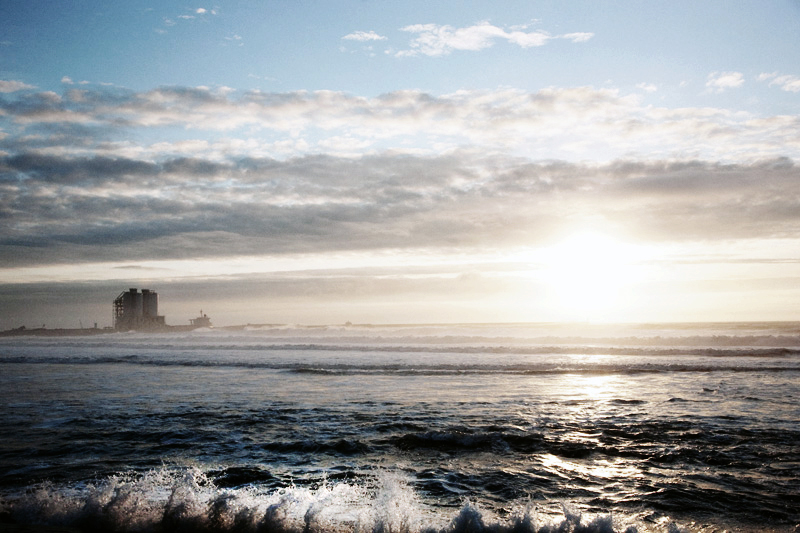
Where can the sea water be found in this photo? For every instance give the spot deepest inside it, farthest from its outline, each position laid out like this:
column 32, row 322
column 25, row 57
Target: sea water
column 393, row 429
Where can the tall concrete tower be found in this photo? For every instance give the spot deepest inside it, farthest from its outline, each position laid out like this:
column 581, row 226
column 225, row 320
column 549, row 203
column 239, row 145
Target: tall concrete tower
column 134, row 310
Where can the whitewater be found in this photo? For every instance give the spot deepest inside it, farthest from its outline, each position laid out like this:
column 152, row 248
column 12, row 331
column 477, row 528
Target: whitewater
column 457, row 428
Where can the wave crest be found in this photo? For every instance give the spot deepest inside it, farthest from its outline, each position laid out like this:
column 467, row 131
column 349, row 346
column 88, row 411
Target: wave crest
column 185, row 499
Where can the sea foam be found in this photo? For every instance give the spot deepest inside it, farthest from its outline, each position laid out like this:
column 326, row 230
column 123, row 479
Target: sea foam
column 185, row 499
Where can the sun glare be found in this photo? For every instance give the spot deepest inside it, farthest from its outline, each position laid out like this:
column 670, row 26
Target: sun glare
column 586, row 274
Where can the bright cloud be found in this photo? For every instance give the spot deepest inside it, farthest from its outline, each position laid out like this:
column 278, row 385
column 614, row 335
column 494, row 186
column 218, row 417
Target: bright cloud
column 364, row 36
column 439, row 40
column 574, row 123
column 580, row 37
column 785, row 82
column 333, row 172
column 720, row 81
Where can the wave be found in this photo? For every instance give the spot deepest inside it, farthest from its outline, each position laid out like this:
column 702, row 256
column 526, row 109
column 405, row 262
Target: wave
column 469, row 344
column 481, row 336
column 187, row 499
column 402, row 369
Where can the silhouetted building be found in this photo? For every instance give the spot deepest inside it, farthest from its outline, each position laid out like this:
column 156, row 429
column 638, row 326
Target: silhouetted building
column 137, row 310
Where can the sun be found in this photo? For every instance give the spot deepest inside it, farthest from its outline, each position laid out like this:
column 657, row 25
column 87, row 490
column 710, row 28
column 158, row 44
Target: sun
column 586, row 274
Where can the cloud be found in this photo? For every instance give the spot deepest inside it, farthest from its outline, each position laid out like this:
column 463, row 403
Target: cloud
column 11, row 86
column 59, row 209
column 647, row 87
column 364, row 36
column 566, row 123
column 439, row 40
column 785, row 82
column 65, row 171
column 66, row 80
column 235, row 39
column 578, row 37
column 720, row 81
column 193, row 14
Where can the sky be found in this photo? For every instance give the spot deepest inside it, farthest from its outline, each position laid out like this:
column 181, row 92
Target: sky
column 319, row 162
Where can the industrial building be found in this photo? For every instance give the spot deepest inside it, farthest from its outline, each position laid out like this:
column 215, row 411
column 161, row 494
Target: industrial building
column 134, row 310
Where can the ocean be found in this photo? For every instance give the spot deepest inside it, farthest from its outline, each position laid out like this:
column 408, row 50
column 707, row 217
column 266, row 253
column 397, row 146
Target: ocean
column 472, row 428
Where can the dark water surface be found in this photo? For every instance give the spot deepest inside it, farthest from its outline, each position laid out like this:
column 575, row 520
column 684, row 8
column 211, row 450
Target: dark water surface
column 456, row 428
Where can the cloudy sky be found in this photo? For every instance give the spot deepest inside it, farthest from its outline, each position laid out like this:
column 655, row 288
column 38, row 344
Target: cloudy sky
column 292, row 161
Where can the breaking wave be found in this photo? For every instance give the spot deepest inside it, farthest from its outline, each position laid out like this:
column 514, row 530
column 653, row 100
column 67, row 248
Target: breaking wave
column 187, row 499
column 743, row 361
column 405, row 429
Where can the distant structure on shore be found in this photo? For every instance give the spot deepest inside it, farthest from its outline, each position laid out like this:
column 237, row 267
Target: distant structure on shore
column 132, row 311
column 201, row 322
column 137, row 310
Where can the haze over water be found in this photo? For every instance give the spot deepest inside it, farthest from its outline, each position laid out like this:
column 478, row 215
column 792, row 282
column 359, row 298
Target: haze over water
column 436, row 162
column 405, row 428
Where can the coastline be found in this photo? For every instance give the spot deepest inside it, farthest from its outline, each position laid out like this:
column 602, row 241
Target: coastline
column 756, row 326
column 56, row 332
column 86, row 332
